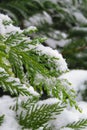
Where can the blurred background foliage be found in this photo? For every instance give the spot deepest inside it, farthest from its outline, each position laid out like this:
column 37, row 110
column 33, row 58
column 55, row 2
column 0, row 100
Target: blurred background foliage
column 63, row 22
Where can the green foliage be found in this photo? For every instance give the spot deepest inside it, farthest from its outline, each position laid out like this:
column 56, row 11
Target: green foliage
column 1, row 119
column 27, row 8
column 55, row 19
column 20, row 9
column 76, row 50
column 12, row 84
column 24, row 64
column 79, row 125
column 37, row 115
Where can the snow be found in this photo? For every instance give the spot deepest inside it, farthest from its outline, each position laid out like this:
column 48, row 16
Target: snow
column 32, row 91
column 67, row 129
column 12, row 29
column 76, row 78
column 69, row 116
column 31, row 28
column 55, row 1
column 5, row 61
column 9, row 28
column 1, row 69
column 63, row 42
column 55, row 43
column 83, row 29
column 59, row 61
column 63, row 119
column 37, row 19
column 80, row 17
column 49, row 101
column 10, row 122
column 5, row 18
column 11, row 79
column 51, row 42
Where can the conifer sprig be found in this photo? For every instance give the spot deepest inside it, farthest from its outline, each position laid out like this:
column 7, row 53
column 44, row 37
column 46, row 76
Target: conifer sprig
column 30, row 69
column 1, row 119
column 78, row 125
column 12, row 84
column 32, row 66
column 38, row 115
